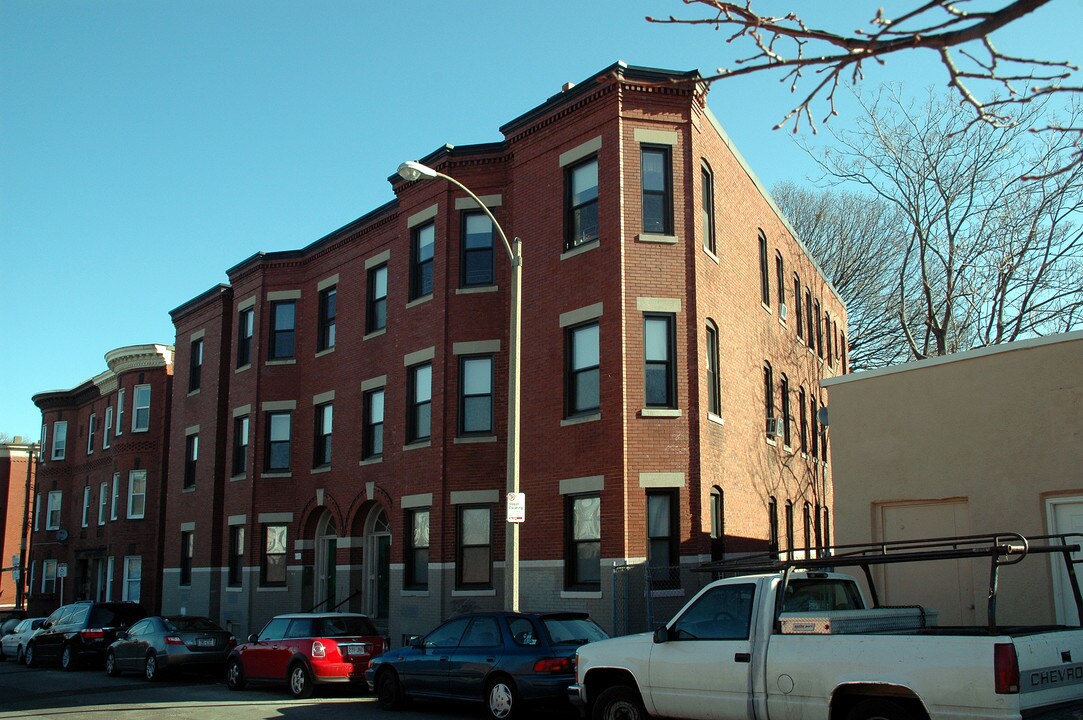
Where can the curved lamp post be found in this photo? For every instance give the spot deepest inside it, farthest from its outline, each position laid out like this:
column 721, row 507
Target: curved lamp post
column 411, row 170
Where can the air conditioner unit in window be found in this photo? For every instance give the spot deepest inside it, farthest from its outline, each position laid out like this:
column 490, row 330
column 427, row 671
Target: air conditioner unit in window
column 774, row 427
column 782, row 311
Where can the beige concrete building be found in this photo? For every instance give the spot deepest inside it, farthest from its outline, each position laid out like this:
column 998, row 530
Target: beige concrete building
column 984, row 441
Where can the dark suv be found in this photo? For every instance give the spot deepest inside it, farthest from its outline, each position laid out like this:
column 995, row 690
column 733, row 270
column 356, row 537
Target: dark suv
column 80, row 631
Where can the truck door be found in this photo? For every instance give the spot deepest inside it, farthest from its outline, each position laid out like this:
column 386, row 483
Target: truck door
column 704, row 668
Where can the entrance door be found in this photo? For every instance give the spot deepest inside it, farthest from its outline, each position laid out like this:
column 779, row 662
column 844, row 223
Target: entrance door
column 1065, row 516
column 323, row 589
column 377, row 564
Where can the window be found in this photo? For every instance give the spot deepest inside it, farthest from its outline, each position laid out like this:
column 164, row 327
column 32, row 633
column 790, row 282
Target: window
column 707, row 206
column 191, row 455
column 37, row 510
column 245, row 327
column 86, row 505
column 784, row 395
column 813, row 430
column 92, row 427
column 326, row 336
column 377, row 306
column 417, row 551
column 830, row 338
column 808, row 529
column 48, row 576
column 421, row 255
column 583, row 537
column 582, row 389
column 109, row 563
column 137, row 494
column 804, row 419
column 107, row 429
column 819, row 328
column 116, row 497
column 44, row 434
column 718, row 524
column 722, row 613
column 827, row 527
column 420, row 409
column 278, row 440
column 662, row 537
column 789, row 525
column 823, row 443
column 195, row 365
column 60, row 439
column 283, row 327
column 797, row 305
column 780, row 279
column 808, row 319
column 474, row 562
column 103, row 502
column 273, row 567
column 477, row 250
column 373, row 434
column 843, row 348
column 133, row 573
column 657, row 189
column 768, row 395
column 236, row 554
column 322, row 440
column 120, row 412
column 660, row 370
column 141, row 409
column 240, row 445
column 52, row 518
column 765, row 289
column 581, row 203
column 772, row 525
column 187, row 549
column 476, row 395
column 714, row 386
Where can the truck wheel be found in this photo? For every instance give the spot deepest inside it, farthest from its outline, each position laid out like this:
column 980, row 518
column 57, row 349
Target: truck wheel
column 621, row 702
column 878, row 710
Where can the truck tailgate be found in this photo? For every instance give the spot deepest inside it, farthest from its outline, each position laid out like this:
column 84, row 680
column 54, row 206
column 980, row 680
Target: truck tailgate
column 1050, row 668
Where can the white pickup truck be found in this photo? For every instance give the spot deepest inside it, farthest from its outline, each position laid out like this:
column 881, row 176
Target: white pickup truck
column 802, row 641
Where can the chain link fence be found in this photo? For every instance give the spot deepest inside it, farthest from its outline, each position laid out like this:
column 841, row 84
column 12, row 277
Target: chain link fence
column 645, row 597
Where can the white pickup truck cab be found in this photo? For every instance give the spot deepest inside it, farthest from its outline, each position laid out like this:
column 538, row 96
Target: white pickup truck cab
column 796, row 644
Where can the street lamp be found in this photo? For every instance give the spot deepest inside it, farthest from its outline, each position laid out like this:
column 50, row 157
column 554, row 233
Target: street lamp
column 411, row 170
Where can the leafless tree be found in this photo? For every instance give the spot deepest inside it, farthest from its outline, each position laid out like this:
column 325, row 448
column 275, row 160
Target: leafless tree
column 987, row 257
column 995, row 85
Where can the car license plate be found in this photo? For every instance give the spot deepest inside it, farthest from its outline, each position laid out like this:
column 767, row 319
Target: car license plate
column 205, row 642
column 354, row 649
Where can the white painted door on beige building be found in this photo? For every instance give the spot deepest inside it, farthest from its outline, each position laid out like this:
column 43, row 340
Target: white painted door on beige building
column 1065, row 516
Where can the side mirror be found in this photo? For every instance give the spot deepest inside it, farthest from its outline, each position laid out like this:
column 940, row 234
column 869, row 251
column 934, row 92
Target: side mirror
column 416, row 641
column 253, row 638
column 661, row 635
column 122, row 634
column 47, row 624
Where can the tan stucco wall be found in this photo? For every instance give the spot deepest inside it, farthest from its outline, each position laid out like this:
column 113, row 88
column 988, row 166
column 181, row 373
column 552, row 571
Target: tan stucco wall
column 999, row 430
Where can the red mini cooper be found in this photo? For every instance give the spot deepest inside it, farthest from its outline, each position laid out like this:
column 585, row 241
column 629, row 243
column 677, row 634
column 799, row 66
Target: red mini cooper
column 306, row 649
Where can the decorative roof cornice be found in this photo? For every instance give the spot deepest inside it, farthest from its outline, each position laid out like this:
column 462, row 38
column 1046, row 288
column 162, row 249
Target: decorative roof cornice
column 139, row 357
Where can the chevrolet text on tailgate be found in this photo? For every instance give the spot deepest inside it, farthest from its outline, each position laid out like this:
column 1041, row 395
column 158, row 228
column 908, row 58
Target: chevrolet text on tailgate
column 795, row 639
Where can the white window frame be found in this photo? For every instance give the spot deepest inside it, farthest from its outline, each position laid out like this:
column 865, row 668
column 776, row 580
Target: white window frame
column 109, row 578
column 86, row 505
column 133, row 477
column 132, row 562
column 37, row 510
column 103, row 502
column 52, row 507
column 120, row 412
column 44, row 444
column 60, row 432
column 136, row 407
column 92, row 427
column 116, row 497
column 48, row 580
column 107, row 428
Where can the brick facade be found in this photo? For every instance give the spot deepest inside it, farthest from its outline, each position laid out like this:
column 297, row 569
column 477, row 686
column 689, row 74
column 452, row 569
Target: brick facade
column 16, row 482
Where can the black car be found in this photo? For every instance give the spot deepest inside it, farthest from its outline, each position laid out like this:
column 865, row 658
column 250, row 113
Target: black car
column 158, row 644
column 505, row 660
column 80, row 631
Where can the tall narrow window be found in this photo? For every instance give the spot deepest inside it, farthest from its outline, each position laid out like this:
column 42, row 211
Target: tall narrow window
column 187, row 548
column 718, row 524
column 236, row 555
column 768, row 396
column 141, row 409
column 843, row 352
column 662, row 538
column 819, row 328
column 797, row 306
column 133, row 577
column 326, row 335
column 809, row 320
column 804, row 419
column 322, row 440
column 120, row 412
column 784, row 396
column 107, row 428
column 789, row 525
column 273, row 565
column 283, row 327
column 279, row 439
column 86, row 505
column 660, row 366
column 780, row 282
column 707, row 206
column 581, row 203
column 772, row 525
column 836, row 339
column 657, row 189
column 583, row 538
column 582, row 391
column 421, row 258
column 92, row 428
column 474, row 566
column 114, row 506
column 830, row 339
column 476, row 395
column 103, row 502
column 376, row 317
column 195, row 365
column 808, row 529
column 137, row 494
column 191, row 455
column 765, row 281
column 240, row 445
column 245, row 327
column 477, row 250
column 373, row 434
column 418, row 424
column 814, row 431
column 48, row 577
column 417, row 551
column 60, row 439
column 714, row 386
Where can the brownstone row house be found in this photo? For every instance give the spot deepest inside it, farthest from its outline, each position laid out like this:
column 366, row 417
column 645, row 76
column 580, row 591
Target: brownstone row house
column 16, row 485
column 338, row 425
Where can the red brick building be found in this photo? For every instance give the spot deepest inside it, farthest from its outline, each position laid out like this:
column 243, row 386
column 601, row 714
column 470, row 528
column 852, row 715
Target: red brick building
column 101, row 474
column 16, row 484
column 339, row 439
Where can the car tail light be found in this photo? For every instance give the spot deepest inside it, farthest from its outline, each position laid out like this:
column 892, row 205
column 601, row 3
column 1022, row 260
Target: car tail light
column 553, row 665
column 318, row 649
column 1006, row 669
column 92, row 634
column 173, row 640
column 232, row 642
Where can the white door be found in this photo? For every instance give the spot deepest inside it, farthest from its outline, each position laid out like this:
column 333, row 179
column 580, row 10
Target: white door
column 1065, row 516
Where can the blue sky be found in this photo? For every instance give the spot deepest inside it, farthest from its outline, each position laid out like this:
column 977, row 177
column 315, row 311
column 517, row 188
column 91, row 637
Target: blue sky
column 146, row 146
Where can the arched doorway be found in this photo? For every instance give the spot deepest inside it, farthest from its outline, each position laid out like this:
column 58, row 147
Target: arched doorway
column 326, row 542
column 377, row 561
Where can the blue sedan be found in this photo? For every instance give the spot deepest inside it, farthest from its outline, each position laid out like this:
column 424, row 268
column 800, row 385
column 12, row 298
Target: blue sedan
column 504, row 660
